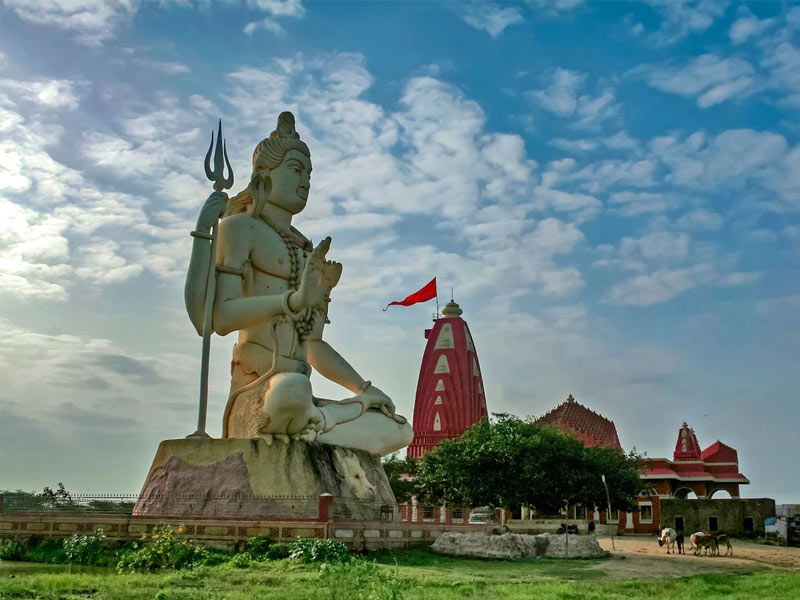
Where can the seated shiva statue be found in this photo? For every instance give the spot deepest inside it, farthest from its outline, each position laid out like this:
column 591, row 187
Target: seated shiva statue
column 273, row 287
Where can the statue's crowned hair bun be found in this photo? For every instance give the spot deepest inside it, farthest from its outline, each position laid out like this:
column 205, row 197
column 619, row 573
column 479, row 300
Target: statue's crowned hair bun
column 285, row 128
column 270, row 151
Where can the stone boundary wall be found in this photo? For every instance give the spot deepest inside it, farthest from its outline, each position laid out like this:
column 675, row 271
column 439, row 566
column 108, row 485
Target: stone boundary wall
column 730, row 514
column 230, row 533
column 536, row 526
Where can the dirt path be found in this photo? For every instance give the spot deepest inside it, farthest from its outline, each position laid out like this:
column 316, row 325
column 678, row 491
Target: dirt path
column 641, row 557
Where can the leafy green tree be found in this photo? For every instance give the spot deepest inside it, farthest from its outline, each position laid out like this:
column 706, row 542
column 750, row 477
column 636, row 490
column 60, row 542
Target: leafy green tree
column 515, row 461
column 401, row 473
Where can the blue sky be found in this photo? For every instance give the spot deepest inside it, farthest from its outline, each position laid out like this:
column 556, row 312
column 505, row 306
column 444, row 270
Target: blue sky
column 612, row 189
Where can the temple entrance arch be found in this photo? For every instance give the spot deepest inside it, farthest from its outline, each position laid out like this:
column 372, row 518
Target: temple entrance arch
column 685, row 493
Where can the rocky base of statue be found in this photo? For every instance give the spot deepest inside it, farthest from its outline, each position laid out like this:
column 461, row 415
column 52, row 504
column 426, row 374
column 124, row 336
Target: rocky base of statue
column 247, row 478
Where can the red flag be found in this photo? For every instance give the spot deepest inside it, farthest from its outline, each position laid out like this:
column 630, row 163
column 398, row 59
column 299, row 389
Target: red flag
column 426, row 293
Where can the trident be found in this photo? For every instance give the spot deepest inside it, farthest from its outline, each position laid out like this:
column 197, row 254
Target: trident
column 219, row 183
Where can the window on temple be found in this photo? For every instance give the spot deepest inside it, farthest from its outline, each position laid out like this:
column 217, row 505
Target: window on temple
column 427, row 512
column 437, row 423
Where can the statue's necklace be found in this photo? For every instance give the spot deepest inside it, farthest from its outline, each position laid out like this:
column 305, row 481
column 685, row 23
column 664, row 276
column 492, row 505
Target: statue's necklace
column 303, row 326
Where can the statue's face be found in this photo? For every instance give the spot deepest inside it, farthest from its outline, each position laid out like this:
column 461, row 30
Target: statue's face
column 291, row 181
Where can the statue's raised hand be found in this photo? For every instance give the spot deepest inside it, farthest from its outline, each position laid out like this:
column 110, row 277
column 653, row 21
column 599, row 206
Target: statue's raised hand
column 212, row 211
column 318, row 278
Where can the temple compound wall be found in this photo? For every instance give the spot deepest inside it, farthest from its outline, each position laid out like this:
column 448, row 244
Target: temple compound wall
column 735, row 516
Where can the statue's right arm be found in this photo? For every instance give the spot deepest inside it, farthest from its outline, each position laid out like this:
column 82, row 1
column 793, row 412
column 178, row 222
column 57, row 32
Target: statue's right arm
column 194, row 291
column 232, row 310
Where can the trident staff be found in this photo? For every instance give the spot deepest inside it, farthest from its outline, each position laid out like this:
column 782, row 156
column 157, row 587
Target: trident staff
column 219, row 183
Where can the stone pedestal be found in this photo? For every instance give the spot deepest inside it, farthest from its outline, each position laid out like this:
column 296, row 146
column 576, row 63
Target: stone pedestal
column 246, row 478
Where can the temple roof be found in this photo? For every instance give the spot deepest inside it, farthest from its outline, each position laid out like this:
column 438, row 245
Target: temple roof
column 588, row 426
column 719, row 452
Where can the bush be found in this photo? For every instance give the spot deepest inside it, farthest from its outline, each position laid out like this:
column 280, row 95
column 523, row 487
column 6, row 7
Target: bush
column 242, row 560
column 46, row 551
column 278, row 551
column 313, row 550
column 84, row 549
column 359, row 580
column 12, row 550
column 165, row 548
column 258, row 547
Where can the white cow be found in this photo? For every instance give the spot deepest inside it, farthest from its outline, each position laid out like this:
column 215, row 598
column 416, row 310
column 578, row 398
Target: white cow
column 669, row 537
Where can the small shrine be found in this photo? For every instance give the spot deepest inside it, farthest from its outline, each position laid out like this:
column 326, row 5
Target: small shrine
column 703, row 472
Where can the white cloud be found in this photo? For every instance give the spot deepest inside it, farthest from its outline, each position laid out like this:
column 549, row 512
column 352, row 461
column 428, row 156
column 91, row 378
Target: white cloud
column 681, row 18
column 91, row 21
column 733, row 156
column 52, row 93
column 629, row 204
column 711, row 79
column 700, row 219
column 657, row 246
column 279, row 8
column 266, row 24
column 491, row 17
column 563, row 96
column 748, row 25
column 554, row 7
column 659, row 286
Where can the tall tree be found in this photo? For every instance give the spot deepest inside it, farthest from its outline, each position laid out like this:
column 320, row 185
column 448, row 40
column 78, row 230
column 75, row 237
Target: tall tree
column 515, row 461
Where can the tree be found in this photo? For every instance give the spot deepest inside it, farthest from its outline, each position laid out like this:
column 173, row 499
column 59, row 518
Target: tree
column 514, row 461
column 401, row 473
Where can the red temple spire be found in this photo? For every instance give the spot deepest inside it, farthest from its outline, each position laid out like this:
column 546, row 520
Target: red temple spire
column 450, row 394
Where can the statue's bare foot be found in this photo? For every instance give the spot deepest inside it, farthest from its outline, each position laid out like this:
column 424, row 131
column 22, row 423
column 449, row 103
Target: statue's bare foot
column 267, row 437
column 307, row 435
column 283, row 437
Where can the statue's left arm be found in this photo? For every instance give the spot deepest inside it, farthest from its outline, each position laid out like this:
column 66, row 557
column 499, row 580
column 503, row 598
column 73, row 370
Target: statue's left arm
column 332, row 365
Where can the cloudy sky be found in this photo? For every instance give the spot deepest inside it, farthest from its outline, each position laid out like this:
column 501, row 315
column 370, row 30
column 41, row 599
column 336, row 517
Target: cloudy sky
column 612, row 189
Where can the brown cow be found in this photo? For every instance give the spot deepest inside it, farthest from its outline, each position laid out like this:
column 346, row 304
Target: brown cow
column 723, row 538
column 706, row 541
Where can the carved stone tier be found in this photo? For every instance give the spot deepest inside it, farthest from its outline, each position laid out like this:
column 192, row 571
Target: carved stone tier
column 247, row 478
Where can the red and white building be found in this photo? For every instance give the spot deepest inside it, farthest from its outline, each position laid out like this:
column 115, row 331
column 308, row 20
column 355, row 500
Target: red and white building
column 450, row 395
column 691, row 470
column 694, row 471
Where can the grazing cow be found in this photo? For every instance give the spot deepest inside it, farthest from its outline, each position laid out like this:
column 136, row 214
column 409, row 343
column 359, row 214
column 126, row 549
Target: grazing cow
column 705, row 541
column 723, row 538
column 670, row 537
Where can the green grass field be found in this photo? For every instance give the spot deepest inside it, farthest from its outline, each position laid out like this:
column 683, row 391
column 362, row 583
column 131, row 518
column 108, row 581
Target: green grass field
column 412, row 574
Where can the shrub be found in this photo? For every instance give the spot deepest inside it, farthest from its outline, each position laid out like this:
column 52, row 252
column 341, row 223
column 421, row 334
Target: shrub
column 12, row 550
column 278, row 551
column 84, row 549
column 165, row 548
column 46, row 551
column 242, row 560
column 359, row 580
column 258, row 547
column 313, row 550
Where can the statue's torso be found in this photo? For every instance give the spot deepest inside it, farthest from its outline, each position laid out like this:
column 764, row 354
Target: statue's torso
column 268, row 274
